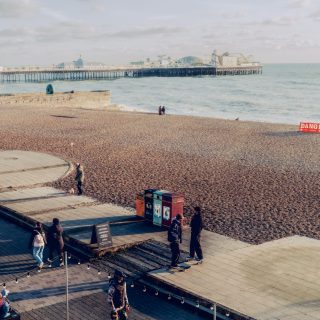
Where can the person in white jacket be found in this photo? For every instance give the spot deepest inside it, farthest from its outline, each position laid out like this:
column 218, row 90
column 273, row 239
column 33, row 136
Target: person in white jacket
column 37, row 242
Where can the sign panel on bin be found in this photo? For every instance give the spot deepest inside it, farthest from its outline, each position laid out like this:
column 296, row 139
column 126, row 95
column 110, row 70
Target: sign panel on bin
column 101, row 235
column 166, row 213
column 309, row 127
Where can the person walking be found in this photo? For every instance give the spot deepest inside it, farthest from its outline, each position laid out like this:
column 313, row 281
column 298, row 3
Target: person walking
column 117, row 296
column 55, row 241
column 79, row 178
column 175, row 237
column 37, row 243
column 196, row 227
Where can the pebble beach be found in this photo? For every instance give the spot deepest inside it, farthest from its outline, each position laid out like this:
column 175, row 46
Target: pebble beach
column 256, row 182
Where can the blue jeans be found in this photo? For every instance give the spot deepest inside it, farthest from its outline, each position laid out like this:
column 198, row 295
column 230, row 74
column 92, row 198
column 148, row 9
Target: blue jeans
column 37, row 253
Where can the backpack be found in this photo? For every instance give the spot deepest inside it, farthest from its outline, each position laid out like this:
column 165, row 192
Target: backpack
column 38, row 240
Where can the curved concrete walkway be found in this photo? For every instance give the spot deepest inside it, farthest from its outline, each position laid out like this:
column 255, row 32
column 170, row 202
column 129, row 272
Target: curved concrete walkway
column 24, row 168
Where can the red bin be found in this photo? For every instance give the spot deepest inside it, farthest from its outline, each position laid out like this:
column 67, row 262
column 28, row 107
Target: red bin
column 140, row 205
column 172, row 204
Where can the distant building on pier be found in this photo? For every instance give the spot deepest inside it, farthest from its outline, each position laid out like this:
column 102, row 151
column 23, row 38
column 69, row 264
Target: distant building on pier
column 228, row 60
column 78, row 64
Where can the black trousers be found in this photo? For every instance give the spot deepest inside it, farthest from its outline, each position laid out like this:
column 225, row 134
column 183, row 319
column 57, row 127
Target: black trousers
column 195, row 246
column 175, row 253
column 55, row 248
column 79, row 186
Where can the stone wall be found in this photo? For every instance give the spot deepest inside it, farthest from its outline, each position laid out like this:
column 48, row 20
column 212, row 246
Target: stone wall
column 86, row 100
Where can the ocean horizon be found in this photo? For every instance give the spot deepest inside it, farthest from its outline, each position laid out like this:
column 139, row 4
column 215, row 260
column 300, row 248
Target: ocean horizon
column 284, row 93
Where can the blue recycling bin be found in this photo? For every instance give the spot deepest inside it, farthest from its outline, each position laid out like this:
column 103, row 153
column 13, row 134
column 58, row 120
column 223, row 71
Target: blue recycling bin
column 148, row 203
column 157, row 207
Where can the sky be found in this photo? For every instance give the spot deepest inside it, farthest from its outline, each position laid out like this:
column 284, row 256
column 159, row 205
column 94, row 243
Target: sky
column 41, row 32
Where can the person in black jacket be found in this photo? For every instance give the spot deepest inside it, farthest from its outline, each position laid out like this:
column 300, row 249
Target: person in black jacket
column 196, row 227
column 55, row 241
column 175, row 237
column 117, row 296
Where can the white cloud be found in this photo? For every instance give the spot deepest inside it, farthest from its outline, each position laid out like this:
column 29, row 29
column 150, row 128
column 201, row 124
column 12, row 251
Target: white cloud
column 280, row 21
column 315, row 15
column 17, row 8
column 68, row 31
column 299, row 3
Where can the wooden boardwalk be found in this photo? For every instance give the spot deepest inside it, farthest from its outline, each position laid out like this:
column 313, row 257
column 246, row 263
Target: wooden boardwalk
column 278, row 280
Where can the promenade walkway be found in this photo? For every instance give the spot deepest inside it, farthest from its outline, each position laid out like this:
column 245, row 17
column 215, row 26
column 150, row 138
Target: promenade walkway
column 278, row 280
column 42, row 295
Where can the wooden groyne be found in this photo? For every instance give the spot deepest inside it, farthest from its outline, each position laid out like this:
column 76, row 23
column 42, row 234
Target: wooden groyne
column 48, row 75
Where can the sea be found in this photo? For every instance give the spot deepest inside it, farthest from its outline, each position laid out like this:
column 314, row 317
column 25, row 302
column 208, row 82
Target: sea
column 283, row 93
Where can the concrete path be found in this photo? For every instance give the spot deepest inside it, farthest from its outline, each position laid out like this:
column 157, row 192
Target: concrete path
column 24, row 168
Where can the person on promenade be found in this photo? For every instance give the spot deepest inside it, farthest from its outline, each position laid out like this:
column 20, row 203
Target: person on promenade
column 160, row 110
column 117, row 296
column 163, row 110
column 37, row 243
column 4, row 305
column 196, row 227
column 79, row 178
column 175, row 237
column 55, row 241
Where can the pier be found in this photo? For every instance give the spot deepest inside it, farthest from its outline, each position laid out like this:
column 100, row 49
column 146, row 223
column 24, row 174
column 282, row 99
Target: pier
column 105, row 73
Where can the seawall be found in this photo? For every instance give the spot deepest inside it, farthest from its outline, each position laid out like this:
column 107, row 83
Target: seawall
column 85, row 100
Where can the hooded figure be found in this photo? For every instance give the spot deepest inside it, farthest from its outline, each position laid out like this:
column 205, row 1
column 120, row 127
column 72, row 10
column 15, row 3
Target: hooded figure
column 117, row 296
column 196, row 227
column 55, row 241
column 175, row 237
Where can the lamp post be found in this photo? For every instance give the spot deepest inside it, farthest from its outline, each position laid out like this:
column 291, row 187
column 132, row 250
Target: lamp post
column 67, row 282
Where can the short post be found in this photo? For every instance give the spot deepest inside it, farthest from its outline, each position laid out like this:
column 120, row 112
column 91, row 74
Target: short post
column 214, row 311
column 67, row 282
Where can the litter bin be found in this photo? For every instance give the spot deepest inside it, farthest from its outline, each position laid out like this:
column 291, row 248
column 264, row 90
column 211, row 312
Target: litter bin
column 172, row 204
column 140, row 205
column 148, row 203
column 157, row 207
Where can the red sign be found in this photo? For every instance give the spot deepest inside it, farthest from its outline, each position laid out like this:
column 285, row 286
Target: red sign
column 309, row 127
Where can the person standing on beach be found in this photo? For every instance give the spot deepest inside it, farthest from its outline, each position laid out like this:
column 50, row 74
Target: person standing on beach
column 160, row 110
column 117, row 296
column 55, row 241
column 175, row 237
column 37, row 243
column 163, row 110
column 196, row 227
column 79, row 178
